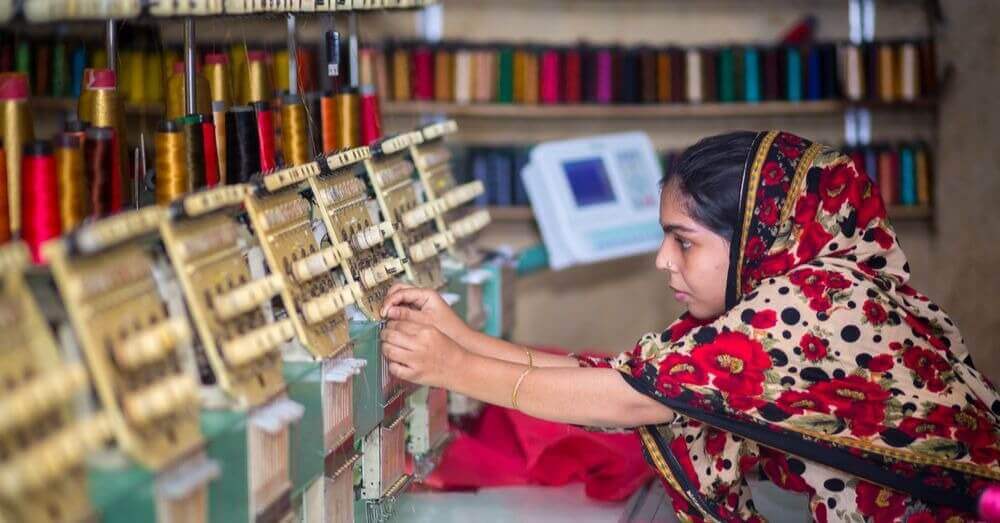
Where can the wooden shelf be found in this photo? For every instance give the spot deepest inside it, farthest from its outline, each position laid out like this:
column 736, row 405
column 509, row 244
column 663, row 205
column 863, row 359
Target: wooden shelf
column 896, row 212
column 637, row 111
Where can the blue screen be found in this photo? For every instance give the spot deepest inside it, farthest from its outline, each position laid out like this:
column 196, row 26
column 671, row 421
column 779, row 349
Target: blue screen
column 589, row 181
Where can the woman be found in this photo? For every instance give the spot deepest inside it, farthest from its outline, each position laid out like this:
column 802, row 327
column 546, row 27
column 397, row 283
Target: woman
column 803, row 350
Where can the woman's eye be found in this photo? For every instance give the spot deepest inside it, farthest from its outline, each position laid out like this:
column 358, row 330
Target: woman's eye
column 685, row 244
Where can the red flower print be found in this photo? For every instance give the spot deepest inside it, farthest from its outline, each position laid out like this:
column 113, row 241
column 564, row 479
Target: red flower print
column 812, row 283
column 971, row 428
column 805, row 209
column 819, row 512
column 821, row 304
column 680, row 450
column 811, row 241
column 881, row 504
column 921, row 428
column 813, row 347
column 875, row 312
column 745, row 403
column 772, row 173
column 755, row 248
column 776, row 264
column 797, row 401
column 684, row 325
column 869, row 202
column 789, row 151
column 736, row 363
column 768, row 212
column 835, row 186
column 920, row 327
column 679, row 369
column 926, row 365
column 883, row 238
column 880, row 363
column 777, row 469
column 835, row 280
column 856, row 399
column 764, row 319
column 748, row 462
column 715, row 441
column 922, row 517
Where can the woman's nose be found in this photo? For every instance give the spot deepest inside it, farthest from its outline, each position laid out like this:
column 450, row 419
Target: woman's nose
column 663, row 260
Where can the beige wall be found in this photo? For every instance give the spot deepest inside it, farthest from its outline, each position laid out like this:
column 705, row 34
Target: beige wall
column 955, row 259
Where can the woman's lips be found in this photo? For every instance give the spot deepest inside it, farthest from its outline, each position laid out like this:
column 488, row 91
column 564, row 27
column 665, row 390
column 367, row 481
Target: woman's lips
column 681, row 296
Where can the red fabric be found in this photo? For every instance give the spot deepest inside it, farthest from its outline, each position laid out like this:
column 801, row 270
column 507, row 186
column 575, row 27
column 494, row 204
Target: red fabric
column 505, row 447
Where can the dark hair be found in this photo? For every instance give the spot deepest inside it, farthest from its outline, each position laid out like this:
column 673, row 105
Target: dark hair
column 709, row 175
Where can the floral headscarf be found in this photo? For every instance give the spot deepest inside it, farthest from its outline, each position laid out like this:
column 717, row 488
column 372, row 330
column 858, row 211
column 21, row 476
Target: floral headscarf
column 824, row 352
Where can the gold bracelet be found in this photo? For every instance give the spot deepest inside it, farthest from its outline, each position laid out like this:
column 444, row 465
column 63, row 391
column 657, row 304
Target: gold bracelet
column 517, row 387
column 531, row 359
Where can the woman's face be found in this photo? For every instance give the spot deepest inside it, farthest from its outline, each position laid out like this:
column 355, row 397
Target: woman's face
column 696, row 258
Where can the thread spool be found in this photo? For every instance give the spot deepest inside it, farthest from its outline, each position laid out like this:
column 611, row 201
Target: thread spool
column 371, row 122
column 60, row 70
column 550, row 77
column 177, row 92
column 505, row 75
column 604, row 77
column 348, row 119
column 6, row 55
column 647, row 66
column 695, row 92
column 74, row 201
column 242, row 144
column 22, row 58
column 888, row 176
column 727, row 75
column 464, row 76
column 211, row 152
column 793, row 74
column 529, row 74
column 217, row 74
column 663, row 77
column 281, row 71
column 814, row 74
column 381, row 74
column 329, row 123
column 192, row 129
column 928, row 69
column 444, row 74
column 294, row 131
column 909, row 77
column 305, row 71
column 134, row 70
column 678, row 72
column 312, row 102
column 573, row 75
column 630, row 77
column 854, row 77
column 922, row 167
column 41, row 188
column 710, row 76
column 366, row 66
column 872, row 82
column 828, row 54
column 4, row 202
column 98, row 157
column 887, row 73
column 400, row 75
column 219, row 125
column 78, row 62
column 171, row 168
column 907, row 176
column 751, row 75
column 265, row 135
column 107, row 112
column 258, row 82
column 772, row 74
column 17, row 132
column 423, row 73
column 152, row 66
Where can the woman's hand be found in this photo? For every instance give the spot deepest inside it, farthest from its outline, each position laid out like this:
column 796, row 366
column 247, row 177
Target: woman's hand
column 425, row 306
column 420, row 353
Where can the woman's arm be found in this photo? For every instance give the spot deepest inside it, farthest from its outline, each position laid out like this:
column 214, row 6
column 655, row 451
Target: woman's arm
column 582, row 396
column 427, row 307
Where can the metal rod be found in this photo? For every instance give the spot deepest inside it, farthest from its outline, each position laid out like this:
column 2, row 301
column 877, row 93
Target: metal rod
column 352, row 29
column 293, row 57
column 111, row 44
column 190, row 85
